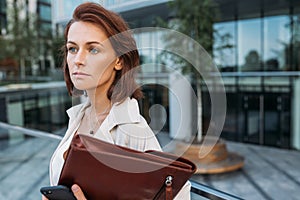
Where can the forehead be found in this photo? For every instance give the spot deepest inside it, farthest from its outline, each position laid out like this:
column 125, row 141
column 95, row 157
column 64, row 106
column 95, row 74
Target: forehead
column 83, row 31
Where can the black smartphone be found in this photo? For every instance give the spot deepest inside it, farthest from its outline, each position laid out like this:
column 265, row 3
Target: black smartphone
column 58, row 192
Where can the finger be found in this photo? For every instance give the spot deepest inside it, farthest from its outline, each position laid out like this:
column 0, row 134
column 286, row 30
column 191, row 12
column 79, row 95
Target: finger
column 44, row 198
column 78, row 192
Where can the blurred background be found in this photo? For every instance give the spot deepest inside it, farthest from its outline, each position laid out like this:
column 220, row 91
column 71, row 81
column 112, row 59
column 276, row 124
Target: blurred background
column 255, row 44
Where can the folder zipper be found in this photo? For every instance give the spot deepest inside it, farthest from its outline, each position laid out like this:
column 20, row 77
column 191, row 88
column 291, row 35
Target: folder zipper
column 168, row 183
column 168, row 189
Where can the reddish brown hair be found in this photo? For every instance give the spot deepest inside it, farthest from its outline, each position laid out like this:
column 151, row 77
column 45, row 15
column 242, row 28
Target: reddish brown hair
column 122, row 42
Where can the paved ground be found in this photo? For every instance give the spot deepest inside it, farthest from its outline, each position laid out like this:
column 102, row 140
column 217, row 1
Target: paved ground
column 24, row 169
column 268, row 173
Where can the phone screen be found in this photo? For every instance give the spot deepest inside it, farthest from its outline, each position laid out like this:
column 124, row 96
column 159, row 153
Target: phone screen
column 59, row 192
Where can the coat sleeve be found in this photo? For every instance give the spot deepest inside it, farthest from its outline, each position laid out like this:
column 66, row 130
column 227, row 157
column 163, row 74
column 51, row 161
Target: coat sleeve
column 138, row 136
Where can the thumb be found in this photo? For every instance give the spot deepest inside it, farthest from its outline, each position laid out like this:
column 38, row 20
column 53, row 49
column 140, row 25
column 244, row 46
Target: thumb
column 44, row 198
column 78, row 192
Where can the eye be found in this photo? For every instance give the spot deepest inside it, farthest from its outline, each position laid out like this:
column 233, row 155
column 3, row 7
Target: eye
column 94, row 50
column 72, row 50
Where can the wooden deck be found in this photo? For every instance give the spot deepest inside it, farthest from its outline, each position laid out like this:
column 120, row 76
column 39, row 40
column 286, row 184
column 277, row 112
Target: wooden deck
column 269, row 173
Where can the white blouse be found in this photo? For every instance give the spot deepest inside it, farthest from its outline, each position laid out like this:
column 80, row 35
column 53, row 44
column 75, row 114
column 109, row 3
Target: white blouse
column 123, row 126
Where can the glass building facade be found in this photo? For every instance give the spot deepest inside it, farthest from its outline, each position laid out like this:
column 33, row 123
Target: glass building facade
column 262, row 36
column 40, row 7
column 3, row 17
column 44, row 11
column 62, row 13
column 35, row 17
column 256, row 49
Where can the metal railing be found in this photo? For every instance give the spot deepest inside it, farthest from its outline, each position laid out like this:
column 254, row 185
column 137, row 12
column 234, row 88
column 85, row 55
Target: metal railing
column 198, row 189
column 261, row 74
column 211, row 193
column 31, row 132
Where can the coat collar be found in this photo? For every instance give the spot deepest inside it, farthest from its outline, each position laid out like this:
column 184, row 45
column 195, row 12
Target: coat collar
column 125, row 112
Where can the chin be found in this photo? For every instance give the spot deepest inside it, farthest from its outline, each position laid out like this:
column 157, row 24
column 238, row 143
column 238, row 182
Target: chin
column 79, row 87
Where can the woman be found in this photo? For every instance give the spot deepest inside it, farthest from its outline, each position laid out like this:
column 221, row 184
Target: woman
column 100, row 58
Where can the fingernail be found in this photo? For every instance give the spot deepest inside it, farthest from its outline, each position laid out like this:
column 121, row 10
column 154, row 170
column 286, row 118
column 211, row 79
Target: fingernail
column 75, row 188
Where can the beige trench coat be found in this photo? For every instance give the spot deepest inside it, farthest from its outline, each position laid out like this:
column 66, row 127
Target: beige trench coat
column 123, row 126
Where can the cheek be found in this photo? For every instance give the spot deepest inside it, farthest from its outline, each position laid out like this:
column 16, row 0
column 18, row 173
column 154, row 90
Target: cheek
column 101, row 65
column 103, row 60
column 101, row 73
column 69, row 60
column 106, row 73
column 70, row 64
column 70, row 71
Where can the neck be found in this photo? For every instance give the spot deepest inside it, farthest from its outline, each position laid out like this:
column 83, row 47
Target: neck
column 99, row 101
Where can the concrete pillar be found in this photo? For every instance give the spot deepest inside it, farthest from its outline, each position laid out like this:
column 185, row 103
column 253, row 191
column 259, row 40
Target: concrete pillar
column 295, row 115
column 180, row 107
column 15, row 117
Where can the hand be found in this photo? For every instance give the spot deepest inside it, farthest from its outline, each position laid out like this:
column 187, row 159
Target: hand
column 77, row 192
column 44, row 198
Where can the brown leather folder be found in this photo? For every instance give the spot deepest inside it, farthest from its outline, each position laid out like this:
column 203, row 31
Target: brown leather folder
column 108, row 171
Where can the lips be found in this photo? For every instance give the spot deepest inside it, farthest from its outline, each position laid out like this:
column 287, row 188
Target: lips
column 80, row 74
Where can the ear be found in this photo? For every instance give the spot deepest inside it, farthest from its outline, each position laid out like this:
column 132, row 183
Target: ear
column 118, row 64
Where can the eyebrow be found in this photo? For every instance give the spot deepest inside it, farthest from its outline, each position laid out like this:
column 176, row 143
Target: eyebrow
column 88, row 43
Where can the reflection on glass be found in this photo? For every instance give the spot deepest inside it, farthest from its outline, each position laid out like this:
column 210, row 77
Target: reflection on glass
column 144, row 42
column 276, row 38
column 150, row 45
column 63, row 10
column 224, row 47
column 45, row 1
column 252, row 55
column 249, row 44
column 45, row 12
column 2, row 17
column 2, row 7
column 294, row 58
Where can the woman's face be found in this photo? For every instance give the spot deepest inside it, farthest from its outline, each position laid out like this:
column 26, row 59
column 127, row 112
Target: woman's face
column 90, row 57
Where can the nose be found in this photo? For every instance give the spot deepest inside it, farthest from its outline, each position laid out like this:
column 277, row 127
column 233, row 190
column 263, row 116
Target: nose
column 80, row 58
